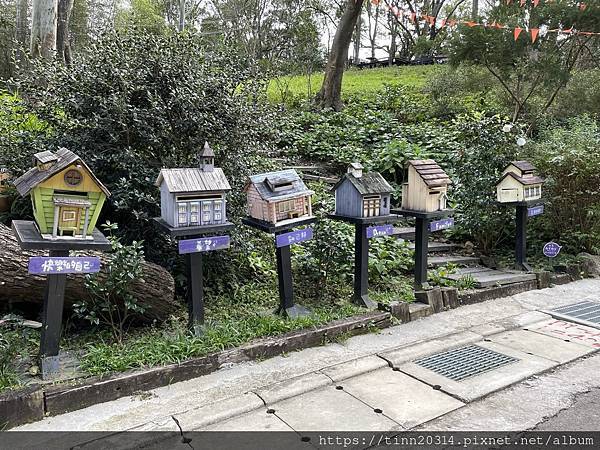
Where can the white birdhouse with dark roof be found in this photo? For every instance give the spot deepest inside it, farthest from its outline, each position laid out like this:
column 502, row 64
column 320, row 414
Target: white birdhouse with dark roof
column 194, row 197
column 427, row 187
column 359, row 194
column 519, row 183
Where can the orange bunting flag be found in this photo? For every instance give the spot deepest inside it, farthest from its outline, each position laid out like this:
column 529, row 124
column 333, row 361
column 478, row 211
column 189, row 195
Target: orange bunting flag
column 499, row 26
column 518, row 32
column 536, row 2
column 413, row 17
column 523, row 2
column 431, row 20
column 471, row 24
column 443, row 24
column 453, row 22
column 534, row 34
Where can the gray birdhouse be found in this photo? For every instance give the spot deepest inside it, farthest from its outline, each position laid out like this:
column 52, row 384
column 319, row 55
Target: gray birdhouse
column 519, row 183
column 426, row 189
column 278, row 197
column 360, row 194
column 194, row 197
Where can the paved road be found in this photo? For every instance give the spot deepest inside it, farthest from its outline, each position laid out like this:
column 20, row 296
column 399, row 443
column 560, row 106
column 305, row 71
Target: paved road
column 582, row 415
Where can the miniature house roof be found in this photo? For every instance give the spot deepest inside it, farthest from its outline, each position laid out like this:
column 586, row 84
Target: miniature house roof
column 526, row 175
column 523, row 180
column 62, row 159
column 523, row 166
column 369, row 183
column 193, row 180
column 278, row 186
column 431, row 173
column 45, row 157
column 357, row 166
column 207, row 151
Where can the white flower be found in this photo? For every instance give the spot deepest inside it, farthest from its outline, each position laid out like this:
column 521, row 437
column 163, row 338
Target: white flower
column 521, row 142
column 507, row 128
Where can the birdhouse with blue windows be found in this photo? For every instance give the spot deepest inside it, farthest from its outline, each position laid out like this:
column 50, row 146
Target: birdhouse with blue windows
column 194, row 197
column 519, row 183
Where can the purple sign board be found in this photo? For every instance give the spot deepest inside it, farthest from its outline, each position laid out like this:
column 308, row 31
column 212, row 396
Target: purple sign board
column 551, row 249
column 205, row 244
column 443, row 224
column 43, row 265
column 535, row 210
column 379, row 231
column 293, row 237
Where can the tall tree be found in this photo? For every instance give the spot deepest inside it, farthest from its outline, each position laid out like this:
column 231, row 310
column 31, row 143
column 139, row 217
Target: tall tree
column 330, row 95
column 43, row 28
column 22, row 27
column 63, row 44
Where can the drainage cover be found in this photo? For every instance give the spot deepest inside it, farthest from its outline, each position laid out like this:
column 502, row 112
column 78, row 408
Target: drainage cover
column 465, row 362
column 586, row 313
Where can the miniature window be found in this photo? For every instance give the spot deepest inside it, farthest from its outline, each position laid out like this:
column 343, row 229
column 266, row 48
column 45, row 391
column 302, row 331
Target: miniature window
column 69, row 216
column 73, row 177
column 385, row 202
column 217, row 206
column 286, row 206
column 182, row 218
column 217, row 216
column 205, row 206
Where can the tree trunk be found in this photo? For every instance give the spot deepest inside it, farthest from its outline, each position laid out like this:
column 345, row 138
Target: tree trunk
column 22, row 27
column 155, row 291
column 181, row 15
column 475, row 10
column 63, row 45
column 43, row 28
column 330, row 95
column 357, row 39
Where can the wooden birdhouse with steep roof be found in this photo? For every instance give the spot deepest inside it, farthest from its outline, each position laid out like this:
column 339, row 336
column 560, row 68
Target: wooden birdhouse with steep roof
column 278, row 198
column 360, row 194
column 194, row 197
column 519, row 183
column 427, row 187
column 66, row 195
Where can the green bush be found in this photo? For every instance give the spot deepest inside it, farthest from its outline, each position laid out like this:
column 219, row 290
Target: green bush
column 487, row 151
column 569, row 158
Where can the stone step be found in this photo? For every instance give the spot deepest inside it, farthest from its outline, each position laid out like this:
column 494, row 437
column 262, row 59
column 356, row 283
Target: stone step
column 437, row 261
column 406, row 233
column 485, row 277
column 437, row 247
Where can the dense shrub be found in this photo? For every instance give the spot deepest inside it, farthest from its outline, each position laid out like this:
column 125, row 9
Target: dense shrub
column 487, row 151
column 569, row 157
column 135, row 103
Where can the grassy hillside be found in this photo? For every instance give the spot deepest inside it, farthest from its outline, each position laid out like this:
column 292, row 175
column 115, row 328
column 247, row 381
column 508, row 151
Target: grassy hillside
column 355, row 82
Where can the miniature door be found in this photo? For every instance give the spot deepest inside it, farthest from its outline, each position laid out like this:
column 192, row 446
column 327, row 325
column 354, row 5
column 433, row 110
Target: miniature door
column 69, row 220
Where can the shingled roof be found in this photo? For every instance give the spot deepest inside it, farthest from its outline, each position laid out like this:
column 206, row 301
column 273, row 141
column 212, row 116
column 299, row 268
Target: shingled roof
column 64, row 158
column 367, row 184
column 261, row 183
column 193, row 180
column 523, row 166
column 529, row 180
column 431, row 173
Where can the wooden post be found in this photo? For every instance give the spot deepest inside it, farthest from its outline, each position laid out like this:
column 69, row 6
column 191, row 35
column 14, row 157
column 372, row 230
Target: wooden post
column 421, row 250
column 86, row 222
column 55, row 224
column 195, row 292
column 284, row 275
column 521, row 241
column 361, row 267
column 52, row 312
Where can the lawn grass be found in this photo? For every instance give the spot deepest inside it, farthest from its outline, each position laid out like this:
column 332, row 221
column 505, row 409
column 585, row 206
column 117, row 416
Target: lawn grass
column 355, row 82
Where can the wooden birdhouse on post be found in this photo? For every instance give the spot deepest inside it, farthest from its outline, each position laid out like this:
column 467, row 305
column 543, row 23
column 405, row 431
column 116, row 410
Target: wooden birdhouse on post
column 427, row 187
column 66, row 195
column 519, row 183
column 359, row 194
column 278, row 198
column 194, row 197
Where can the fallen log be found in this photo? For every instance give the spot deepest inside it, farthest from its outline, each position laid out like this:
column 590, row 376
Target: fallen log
column 155, row 290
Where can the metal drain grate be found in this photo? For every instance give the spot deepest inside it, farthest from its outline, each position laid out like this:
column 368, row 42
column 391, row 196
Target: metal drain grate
column 465, row 362
column 586, row 313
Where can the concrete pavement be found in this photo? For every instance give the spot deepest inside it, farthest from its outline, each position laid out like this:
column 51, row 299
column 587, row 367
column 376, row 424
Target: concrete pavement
column 372, row 382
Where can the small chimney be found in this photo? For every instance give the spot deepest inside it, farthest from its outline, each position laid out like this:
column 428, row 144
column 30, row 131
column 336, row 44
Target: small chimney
column 356, row 169
column 44, row 160
column 206, row 159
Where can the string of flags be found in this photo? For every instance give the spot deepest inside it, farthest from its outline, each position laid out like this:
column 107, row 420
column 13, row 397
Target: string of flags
column 536, row 32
